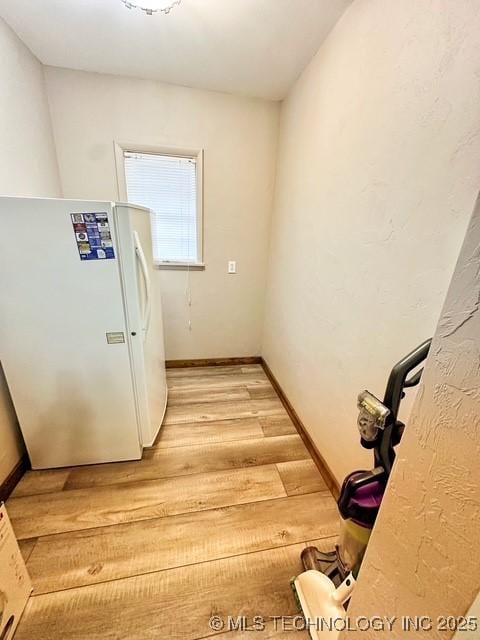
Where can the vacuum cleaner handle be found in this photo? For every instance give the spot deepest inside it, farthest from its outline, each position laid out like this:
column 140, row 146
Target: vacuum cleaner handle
column 414, row 380
column 397, row 380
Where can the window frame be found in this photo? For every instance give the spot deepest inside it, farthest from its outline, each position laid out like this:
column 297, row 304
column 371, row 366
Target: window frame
column 120, row 148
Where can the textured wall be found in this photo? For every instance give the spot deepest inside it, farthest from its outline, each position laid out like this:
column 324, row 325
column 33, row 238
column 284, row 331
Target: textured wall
column 379, row 165
column 423, row 556
column 28, row 166
column 473, row 612
column 239, row 135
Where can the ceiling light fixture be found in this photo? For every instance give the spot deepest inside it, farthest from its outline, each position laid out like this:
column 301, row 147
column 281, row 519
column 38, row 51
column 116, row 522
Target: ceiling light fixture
column 152, row 6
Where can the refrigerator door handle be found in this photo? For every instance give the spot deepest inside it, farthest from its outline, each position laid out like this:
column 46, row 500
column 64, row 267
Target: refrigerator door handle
column 146, row 277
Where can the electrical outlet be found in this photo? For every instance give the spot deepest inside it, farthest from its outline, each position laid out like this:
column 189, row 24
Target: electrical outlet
column 232, row 266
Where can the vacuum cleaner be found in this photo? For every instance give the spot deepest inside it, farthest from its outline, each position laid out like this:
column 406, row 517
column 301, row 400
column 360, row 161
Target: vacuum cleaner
column 330, row 577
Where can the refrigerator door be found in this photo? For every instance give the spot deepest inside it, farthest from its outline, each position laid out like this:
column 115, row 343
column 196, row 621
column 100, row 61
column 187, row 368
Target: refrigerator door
column 63, row 340
column 144, row 313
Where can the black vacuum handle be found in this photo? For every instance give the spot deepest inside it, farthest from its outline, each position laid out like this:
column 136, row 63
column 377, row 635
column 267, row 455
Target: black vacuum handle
column 397, row 380
column 414, row 380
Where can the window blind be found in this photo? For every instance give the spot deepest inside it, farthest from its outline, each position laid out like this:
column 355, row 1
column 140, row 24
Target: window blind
column 168, row 186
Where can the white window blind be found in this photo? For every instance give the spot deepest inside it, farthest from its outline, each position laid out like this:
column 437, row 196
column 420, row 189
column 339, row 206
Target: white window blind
column 168, row 186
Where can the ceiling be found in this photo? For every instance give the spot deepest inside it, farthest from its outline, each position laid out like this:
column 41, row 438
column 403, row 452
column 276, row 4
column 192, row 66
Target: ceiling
column 248, row 47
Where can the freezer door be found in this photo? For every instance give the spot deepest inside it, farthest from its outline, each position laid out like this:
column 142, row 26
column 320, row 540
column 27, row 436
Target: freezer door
column 63, row 332
column 144, row 313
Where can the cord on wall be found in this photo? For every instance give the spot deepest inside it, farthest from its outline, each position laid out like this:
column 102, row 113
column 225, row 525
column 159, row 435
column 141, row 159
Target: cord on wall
column 188, row 295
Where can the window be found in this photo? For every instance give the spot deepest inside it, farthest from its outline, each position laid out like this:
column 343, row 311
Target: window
column 169, row 185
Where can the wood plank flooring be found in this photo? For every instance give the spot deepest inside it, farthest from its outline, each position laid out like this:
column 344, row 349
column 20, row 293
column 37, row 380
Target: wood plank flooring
column 210, row 522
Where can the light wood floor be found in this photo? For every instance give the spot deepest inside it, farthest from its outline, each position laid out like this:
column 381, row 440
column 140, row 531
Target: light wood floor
column 211, row 522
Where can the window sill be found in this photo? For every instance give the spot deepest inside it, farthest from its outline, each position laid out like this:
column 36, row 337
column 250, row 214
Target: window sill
column 180, row 266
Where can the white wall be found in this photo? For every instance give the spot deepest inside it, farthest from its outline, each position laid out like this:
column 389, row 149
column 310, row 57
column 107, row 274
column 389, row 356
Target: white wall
column 430, row 516
column 27, row 167
column 379, row 164
column 239, row 135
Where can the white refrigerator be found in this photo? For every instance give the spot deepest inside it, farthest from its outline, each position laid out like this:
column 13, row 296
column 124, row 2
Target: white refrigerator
column 81, row 334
